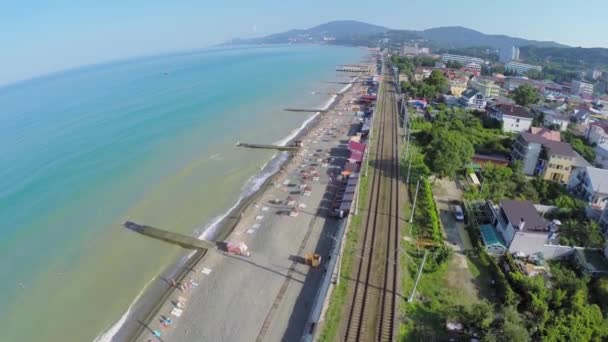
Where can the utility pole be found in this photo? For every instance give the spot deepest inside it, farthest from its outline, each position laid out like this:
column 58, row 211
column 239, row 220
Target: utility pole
column 411, row 298
column 357, row 200
column 407, row 180
column 407, row 144
column 415, row 198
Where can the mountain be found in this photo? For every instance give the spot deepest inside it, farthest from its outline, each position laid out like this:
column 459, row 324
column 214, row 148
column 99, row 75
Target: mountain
column 350, row 32
column 339, row 29
column 461, row 37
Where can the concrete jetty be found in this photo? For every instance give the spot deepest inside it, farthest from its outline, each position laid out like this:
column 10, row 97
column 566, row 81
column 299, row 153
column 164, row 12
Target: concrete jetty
column 184, row 241
column 268, row 147
column 308, row 110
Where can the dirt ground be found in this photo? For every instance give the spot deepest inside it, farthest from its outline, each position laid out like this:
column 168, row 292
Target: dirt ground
column 459, row 275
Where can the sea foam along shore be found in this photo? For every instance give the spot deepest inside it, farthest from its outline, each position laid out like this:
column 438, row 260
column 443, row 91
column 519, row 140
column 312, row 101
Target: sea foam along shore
column 271, row 167
column 214, row 228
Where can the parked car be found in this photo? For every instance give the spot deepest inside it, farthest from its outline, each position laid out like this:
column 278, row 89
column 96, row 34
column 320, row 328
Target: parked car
column 458, row 213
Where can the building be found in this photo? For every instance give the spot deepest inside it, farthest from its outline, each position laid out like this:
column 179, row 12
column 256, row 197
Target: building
column 525, row 232
column 511, row 83
column 591, row 185
column 601, row 155
column 495, row 159
column 458, row 86
column 581, row 116
column 603, row 221
column 472, row 99
column 549, row 159
column 485, row 86
column 578, row 164
column 422, row 73
column 521, row 68
column 472, row 68
column 597, row 132
column 515, row 53
column 558, row 162
column 509, row 54
column 546, row 133
column 527, row 148
column 414, row 50
column 581, row 88
column 446, row 57
column 559, row 121
column 513, row 118
column 594, row 73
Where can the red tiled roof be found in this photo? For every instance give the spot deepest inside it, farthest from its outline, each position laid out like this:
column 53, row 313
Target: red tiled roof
column 546, row 133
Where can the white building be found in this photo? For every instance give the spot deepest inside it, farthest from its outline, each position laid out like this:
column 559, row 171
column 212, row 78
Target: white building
column 513, row 118
column 410, row 50
column 581, row 88
column 515, row 53
column 472, row 99
column 521, row 68
column 601, row 155
column 591, row 184
column 446, row 57
column 557, row 120
column 525, row 231
column 597, row 133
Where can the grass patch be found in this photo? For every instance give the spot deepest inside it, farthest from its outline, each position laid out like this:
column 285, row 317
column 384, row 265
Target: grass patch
column 443, row 286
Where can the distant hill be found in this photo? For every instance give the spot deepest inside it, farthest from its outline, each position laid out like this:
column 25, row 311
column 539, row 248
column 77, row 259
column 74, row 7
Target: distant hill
column 350, row 32
column 340, row 29
column 462, row 37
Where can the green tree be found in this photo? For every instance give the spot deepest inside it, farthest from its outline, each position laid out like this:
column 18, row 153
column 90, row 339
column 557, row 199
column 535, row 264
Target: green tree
column 600, row 292
column 582, row 234
column 448, row 152
column 525, row 95
column 512, row 326
column 499, row 69
column 453, row 65
column 534, row 74
column 437, row 80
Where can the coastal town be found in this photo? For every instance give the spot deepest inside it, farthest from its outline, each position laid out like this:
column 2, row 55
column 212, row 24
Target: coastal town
column 243, row 172
column 521, row 151
column 471, row 190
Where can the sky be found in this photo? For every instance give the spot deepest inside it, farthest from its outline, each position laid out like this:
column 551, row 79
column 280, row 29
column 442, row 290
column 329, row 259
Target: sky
column 40, row 36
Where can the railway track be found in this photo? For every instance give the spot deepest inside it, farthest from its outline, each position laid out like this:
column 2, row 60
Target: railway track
column 371, row 313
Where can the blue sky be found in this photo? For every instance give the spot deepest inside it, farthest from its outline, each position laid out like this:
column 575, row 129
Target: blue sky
column 42, row 36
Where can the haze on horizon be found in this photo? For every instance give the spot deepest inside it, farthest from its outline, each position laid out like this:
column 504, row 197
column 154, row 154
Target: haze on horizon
column 40, row 37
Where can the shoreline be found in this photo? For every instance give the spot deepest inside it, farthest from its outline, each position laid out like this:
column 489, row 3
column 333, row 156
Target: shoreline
column 147, row 304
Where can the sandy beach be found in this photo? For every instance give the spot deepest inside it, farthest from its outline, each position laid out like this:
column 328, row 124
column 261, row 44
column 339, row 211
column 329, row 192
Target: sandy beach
column 268, row 295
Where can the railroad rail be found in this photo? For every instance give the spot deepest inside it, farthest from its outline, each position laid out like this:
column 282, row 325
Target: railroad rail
column 372, row 309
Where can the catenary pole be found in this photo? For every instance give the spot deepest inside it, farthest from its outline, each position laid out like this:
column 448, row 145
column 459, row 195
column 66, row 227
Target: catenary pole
column 415, row 198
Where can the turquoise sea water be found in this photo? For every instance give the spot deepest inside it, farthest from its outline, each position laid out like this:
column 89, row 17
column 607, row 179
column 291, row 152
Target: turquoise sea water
column 150, row 140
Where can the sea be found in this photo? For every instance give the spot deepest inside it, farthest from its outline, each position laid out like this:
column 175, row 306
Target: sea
column 150, row 140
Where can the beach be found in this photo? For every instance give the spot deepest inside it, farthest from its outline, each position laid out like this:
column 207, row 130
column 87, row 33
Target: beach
column 267, row 296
